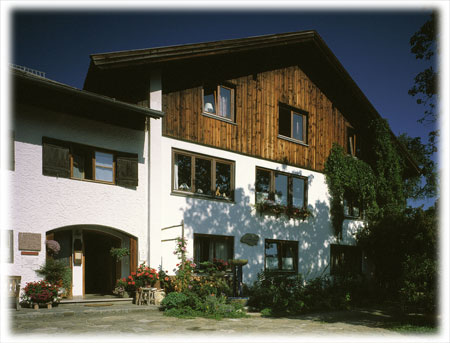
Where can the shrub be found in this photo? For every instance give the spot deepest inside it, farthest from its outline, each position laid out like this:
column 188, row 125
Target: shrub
column 281, row 294
column 189, row 304
column 57, row 273
column 419, row 284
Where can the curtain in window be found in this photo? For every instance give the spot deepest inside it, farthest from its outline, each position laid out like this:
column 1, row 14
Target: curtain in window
column 287, row 261
column 221, row 250
column 175, row 175
column 225, row 100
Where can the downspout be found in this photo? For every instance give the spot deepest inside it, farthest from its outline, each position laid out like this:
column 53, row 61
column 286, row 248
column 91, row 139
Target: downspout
column 149, row 145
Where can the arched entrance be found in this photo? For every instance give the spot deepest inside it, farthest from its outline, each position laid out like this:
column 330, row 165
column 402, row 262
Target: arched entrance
column 101, row 270
column 86, row 249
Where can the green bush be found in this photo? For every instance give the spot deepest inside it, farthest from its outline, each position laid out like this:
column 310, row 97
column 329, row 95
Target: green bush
column 281, row 294
column 188, row 304
column 57, row 273
column 419, row 283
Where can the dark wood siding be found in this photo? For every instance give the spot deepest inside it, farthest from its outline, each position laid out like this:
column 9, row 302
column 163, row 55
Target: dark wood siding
column 255, row 131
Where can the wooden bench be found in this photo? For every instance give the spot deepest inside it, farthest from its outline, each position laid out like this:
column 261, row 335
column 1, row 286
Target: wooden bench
column 14, row 290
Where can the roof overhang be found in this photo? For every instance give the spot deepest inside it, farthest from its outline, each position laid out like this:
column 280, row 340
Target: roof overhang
column 30, row 89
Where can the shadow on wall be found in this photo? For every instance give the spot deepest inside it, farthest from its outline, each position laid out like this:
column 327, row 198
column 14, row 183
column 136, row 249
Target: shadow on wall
column 314, row 235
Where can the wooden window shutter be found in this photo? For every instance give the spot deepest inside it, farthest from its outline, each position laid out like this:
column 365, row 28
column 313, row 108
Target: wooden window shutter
column 55, row 160
column 127, row 171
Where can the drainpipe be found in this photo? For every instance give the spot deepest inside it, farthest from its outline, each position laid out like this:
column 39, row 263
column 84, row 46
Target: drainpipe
column 149, row 145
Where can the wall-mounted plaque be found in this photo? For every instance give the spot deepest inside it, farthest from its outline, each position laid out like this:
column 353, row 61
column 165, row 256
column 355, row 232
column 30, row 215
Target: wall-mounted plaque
column 29, row 241
column 250, row 239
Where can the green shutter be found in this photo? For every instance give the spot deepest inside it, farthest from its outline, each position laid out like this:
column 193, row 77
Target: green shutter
column 56, row 160
column 127, row 171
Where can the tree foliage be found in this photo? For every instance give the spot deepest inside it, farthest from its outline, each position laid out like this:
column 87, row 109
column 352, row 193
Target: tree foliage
column 425, row 185
column 402, row 248
column 387, row 165
column 423, row 46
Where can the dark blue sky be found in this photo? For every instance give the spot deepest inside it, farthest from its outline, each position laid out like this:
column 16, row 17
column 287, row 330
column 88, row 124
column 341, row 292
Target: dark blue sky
column 372, row 46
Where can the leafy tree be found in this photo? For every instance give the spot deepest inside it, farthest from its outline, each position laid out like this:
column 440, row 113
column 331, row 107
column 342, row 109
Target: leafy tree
column 387, row 166
column 420, row 187
column 423, row 45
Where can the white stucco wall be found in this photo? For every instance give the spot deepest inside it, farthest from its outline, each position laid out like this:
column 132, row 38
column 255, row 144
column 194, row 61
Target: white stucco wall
column 236, row 219
column 39, row 203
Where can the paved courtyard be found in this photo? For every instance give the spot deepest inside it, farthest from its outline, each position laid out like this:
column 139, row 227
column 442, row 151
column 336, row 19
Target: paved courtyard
column 128, row 319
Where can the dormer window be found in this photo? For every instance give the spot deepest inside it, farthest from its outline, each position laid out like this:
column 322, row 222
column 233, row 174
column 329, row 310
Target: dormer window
column 219, row 101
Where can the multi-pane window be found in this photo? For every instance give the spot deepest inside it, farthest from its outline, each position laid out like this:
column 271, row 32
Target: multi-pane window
column 219, row 101
column 281, row 255
column 284, row 189
column 90, row 164
column 203, row 175
column 210, row 247
column 345, row 259
column 83, row 162
column 292, row 123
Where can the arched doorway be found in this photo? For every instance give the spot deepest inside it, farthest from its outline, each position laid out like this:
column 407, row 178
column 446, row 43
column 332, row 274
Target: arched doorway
column 86, row 250
column 101, row 270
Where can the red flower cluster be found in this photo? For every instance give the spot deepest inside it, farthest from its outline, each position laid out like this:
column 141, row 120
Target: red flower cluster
column 41, row 292
column 220, row 264
column 143, row 277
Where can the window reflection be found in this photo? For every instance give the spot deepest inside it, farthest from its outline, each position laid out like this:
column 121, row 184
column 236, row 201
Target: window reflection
column 202, row 176
column 281, row 189
column 223, row 180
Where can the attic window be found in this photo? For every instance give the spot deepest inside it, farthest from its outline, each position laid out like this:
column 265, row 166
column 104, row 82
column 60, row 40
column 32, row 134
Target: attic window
column 219, row 101
column 353, row 146
column 292, row 124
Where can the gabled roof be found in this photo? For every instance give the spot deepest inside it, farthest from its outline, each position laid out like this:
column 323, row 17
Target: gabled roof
column 305, row 48
column 188, row 51
column 35, row 90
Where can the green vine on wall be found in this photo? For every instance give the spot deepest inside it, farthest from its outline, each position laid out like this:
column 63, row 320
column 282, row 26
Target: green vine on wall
column 347, row 174
column 376, row 184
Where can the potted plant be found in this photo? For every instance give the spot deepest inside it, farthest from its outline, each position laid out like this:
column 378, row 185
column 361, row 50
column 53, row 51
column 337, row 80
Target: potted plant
column 56, row 272
column 41, row 293
column 119, row 253
column 121, row 288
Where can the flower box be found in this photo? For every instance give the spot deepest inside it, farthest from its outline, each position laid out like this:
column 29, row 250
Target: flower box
column 271, row 207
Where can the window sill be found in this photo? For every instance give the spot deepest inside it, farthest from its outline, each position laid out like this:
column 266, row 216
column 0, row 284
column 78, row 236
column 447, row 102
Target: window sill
column 292, row 140
column 214, row 116
column 200, row 196
column 93, row 181
column 353, row 218
column 278, row 271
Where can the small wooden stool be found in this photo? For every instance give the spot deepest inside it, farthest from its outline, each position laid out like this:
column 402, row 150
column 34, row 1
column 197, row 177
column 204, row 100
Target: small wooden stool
column 147, row 295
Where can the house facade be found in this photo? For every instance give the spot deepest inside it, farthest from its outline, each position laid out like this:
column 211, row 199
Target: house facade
column 224, row 142
column 79, row 176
